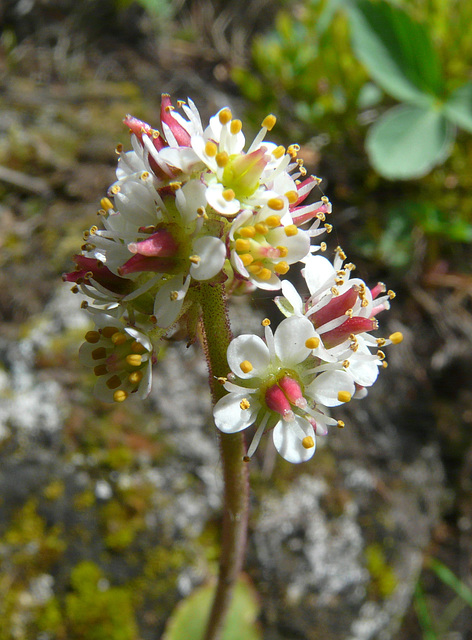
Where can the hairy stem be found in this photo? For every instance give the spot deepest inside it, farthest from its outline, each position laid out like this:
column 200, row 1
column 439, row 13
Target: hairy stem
column 217, row 336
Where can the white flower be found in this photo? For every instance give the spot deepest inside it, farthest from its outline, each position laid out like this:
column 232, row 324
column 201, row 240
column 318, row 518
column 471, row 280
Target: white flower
column 121, row 358
column 280, row 385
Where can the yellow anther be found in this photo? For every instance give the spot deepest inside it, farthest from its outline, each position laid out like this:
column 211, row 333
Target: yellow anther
column 396, row 338
column 244, row 404
column 195, row 259
column 119, row 148
column 134, row 359
column 290, row 230
column 350, row 266
column 115, row 189
column 246, row 366
column 235, row 126
column 246, row 259
column 135, row 377
column 346, row 364
column 278, row 152
column 292, row 150
column 349, row 313
column 100, row 369
column 247, row 232
column 106, row 204
column 365, row 303
column 119, row 338
column 120, row 395
column 344, row 396
column 242, row 245
column 228, row 195
column 272, row 221
column 265, row 322
column 175, row 186
column 222, row 159
column 324, row 199
column 283, row 251
column 328, row 227
column 269, row 122
column 261, row 228
column 380, row 355
column 137, row 347
column 312, row 343
column 340, row 424
column 75, row 289
column 222, row 380
column 323, row 246
column 384, row 364
column 92, row 336
column 308, row 442
column 99, row 353
column 255, row 268
column 225, row 116
column 292, row 196
column 144, row 175
column 281, row 268
column 113, row 382
column 277, row 204
column 211, row 149
column 381, row 342
column 264, row 274
column 174, row 295
column 339, row 281
column 391, row 294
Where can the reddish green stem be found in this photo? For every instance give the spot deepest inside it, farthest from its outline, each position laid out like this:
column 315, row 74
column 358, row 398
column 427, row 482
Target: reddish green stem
column 217, row 336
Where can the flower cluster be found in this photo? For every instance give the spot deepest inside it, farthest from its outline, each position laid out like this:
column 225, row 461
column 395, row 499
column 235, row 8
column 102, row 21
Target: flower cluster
column 192, row 205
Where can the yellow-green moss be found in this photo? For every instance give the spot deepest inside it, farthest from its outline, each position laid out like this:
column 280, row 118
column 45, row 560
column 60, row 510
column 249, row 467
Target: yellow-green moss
column 383, row 578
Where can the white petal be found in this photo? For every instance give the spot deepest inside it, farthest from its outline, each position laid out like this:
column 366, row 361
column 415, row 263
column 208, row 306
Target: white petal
column 228, row 415
column 292, row 295
column 212, row 254
column 250, row 348
column 288, row 439
column 290, row 337
column 214, row 196
column 190, row 198
column 167, row 309
column 317, row 272
column 327, row 385
column 298, row 245
column 364, row 371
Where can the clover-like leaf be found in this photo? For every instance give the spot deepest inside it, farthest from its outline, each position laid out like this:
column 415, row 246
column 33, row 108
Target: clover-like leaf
column 458, row 107
column 408, row 141
column 397, row 51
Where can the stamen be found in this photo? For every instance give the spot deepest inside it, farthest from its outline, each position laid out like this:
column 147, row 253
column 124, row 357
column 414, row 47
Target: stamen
column 135, row 377
column 292, row 196
column 247, row 232
column 225, row 116
column 113, row 382
column 195, row 259
column 312, row 343
column 134, row 359
column 290, row 230
column 174, row 295
column 246, row 259
column 261, row 228
column 100, row 370
column 222, row 159
column 281, row 268
column 228, row 195
column 244, row 404
column 308, row 442
column 340, row 424
column 246, row 366
column 396, row 337
column 92, row 336
column 120, row 395
column 211, row 149
column 283, row 251
column 109, row 331
column 98, row 354
column 323, row 246
column 265, row 322
column 118, row 338
column 278, row 152
column 265, row 274
column 235, row 126
column 272, row 221
column 344, row 396
column 277, row 204
column 106, row 204
column 242, row 245
column 269, row 122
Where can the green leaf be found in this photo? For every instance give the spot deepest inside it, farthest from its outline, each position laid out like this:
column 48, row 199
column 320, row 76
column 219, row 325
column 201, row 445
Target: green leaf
column 408, row 141
column 449, row 578
column 397, row 51
column 458, row 107
column 188, row 621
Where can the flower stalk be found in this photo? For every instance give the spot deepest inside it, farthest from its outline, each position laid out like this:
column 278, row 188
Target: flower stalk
column 217, row 336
